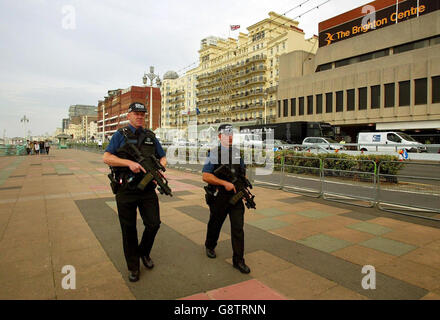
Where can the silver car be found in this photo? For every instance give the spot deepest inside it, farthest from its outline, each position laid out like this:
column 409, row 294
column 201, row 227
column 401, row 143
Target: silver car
column 320, row 142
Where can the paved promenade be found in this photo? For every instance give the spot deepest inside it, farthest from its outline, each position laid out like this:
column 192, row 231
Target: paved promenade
column 58, row 210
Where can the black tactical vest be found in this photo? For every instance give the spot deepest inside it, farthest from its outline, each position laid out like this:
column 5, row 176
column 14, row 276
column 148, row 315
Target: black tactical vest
column 144, row 141
column 235, row 167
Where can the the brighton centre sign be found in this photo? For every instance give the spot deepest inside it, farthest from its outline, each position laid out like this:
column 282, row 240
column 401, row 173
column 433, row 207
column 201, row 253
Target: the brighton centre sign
column 369, row 19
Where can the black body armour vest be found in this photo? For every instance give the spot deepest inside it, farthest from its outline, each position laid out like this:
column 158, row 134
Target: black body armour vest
column 234, row 166
column 145, row 143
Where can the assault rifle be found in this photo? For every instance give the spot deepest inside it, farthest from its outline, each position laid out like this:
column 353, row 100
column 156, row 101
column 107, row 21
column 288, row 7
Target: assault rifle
column 152, row 167
column 241, row 184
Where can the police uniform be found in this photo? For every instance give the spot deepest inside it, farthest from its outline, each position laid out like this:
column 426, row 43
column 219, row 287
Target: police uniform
column 220, row 206
column 129, row 197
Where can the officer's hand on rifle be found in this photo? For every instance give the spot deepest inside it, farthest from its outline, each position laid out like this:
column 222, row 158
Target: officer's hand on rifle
column 229, row 186
column 136, row 167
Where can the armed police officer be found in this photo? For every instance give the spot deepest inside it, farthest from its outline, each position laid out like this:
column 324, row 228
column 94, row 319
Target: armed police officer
column 220, row 190
column 127, row 173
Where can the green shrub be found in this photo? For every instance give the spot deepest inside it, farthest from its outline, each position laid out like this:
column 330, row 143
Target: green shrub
column 361, row 167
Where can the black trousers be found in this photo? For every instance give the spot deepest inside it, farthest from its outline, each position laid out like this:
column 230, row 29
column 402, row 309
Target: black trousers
column 218, row 213
column 148, row 203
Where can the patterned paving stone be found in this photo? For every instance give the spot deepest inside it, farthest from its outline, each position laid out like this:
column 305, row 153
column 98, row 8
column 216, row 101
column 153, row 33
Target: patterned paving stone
column 358, row 216
column 297, row 283
column 350, row 235
column 391, row 223
column 271, row 212
column 425, row 256
column 412, row 272
column 415, row 235
column 263, row 263
column 324, row 243
column 247, row 290
column 370, row 228
column 197, row 296
column 199, row 237
column 364, row 256
column 315, row 214
column 268, row 224
column 293, row 232
column 339, row 293
column 393, row 247
column 431, row 296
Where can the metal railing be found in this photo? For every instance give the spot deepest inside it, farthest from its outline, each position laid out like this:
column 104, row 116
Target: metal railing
column 354, row 182
column 308, row 170
column 414, row 190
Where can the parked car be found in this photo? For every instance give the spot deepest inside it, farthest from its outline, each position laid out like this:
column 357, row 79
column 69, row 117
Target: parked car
column 326, row 143
column 388, row 141
column 279, row 145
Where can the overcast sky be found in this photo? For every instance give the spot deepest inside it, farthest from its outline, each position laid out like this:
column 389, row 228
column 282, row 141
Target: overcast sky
column 50, row 61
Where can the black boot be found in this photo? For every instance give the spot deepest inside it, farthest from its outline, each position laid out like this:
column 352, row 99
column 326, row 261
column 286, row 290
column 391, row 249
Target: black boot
column 242, row 267
column 210, row 253
column 147, row 262
column 133, row 276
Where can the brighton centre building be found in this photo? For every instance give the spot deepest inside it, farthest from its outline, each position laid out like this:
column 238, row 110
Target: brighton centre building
column 377, row 68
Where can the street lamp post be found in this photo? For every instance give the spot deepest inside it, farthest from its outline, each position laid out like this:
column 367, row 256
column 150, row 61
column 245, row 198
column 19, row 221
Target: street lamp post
column 265, row 107
column 151, row 76
column 24, row 120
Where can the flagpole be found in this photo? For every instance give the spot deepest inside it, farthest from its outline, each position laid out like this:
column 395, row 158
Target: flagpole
column 397, row 11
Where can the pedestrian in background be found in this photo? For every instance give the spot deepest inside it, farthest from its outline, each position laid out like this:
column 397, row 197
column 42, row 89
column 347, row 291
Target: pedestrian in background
column 37, row 147
column 47, row 146
column 28, row 147
column 42, row 150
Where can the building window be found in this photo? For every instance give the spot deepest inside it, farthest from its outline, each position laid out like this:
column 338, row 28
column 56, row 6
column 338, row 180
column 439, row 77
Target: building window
column 375, row 97
column 301, row 106
column 286, row 108
column 363, row 98
column 339, row 101
column 318, row 103
column 436, row 89
column 389, row 95
column 279, row 108
column 309, row 104
column 350, row 100
column 324, row 67
column 329, row 102
column 421, row 91
column 293, row 107
column 404, row 93
column 411, row 46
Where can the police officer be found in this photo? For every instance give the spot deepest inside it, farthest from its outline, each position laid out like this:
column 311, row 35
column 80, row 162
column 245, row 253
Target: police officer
column 219, row 205
column 128, row 174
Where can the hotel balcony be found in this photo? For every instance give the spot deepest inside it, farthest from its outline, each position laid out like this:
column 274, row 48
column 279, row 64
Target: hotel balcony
column 271, row 103
column 176, row 92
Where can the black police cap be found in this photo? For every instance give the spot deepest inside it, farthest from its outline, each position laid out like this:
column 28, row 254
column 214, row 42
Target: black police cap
column 137, row 107
column 225, row 128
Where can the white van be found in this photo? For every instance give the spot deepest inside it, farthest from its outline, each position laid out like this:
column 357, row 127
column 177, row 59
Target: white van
column 388, row 141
